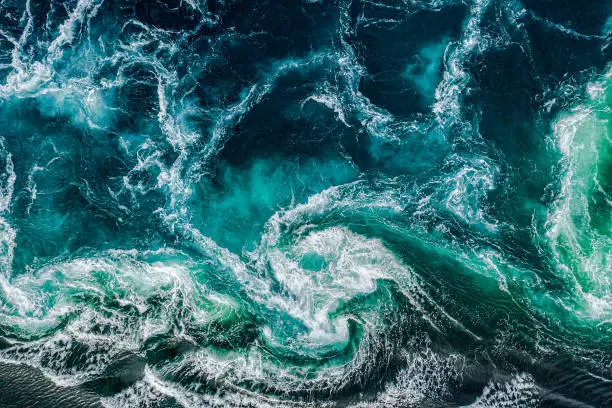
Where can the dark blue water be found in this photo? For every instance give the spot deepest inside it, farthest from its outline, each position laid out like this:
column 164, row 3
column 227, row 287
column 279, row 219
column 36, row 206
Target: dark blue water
column 306, row 203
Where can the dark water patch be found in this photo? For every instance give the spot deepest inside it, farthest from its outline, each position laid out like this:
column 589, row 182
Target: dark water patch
column 402, row 76
column 41, row 392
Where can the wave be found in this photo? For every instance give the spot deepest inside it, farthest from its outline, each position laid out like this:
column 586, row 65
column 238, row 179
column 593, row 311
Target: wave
column 202, row 206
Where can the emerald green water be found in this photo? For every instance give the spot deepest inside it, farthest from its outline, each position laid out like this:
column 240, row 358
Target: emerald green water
column 339, row 204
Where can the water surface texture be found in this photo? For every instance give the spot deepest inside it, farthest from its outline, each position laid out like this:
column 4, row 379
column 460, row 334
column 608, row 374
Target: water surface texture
column 351, row 203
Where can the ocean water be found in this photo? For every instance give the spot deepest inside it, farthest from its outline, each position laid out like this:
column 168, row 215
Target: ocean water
column 350, row 203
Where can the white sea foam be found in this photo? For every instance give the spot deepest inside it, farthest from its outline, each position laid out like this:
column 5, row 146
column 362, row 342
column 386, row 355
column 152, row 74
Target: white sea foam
column 153, row 390
column 39, row 302
column 455, row 79
column 468, row 189
column 519, row 392
column 350, row 265
column 580, row 246
column 427, row 377
column 298, row 270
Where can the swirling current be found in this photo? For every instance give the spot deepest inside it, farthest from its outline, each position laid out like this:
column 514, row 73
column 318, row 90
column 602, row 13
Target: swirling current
column 349, row 203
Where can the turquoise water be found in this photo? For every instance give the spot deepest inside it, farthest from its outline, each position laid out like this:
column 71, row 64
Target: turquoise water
column 308, row 203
